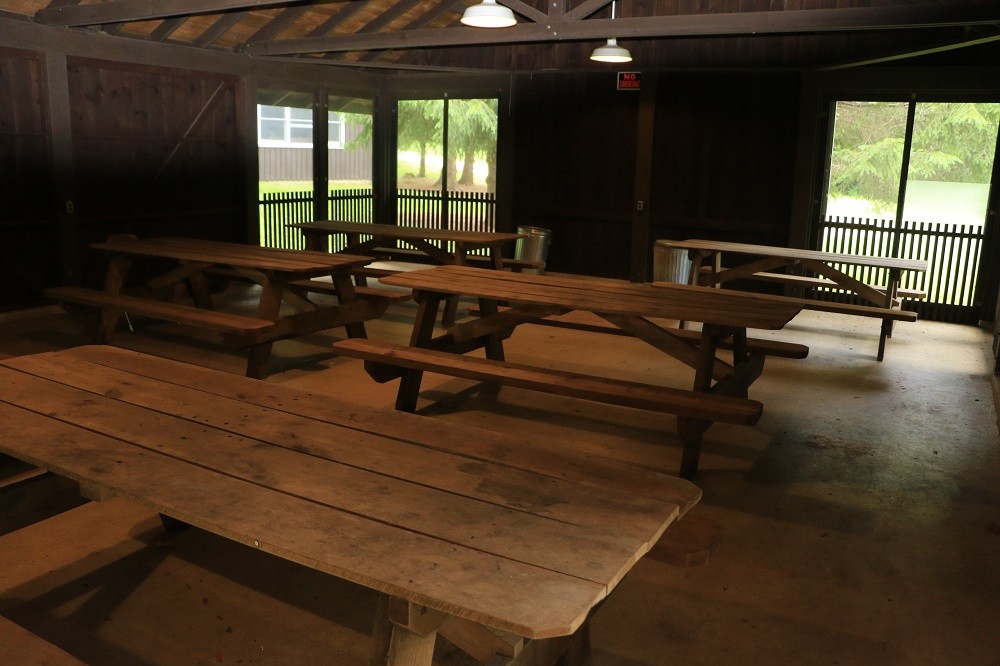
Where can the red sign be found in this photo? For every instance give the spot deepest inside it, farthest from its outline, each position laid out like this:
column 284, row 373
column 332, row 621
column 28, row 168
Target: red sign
column 628, row 80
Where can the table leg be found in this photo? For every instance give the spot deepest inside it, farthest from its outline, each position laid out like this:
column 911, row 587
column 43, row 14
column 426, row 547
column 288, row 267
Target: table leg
column 423, row 331
column 451, row 304
column 414, row 632
column 692, row 430
column 200, row 291
column 268, row 308
column 314, row 240
column 346, row 294
column 409, row 649
column 494, row 343
column 450, row 312
column 354, row 240
column 891, row 289
column 114, row 283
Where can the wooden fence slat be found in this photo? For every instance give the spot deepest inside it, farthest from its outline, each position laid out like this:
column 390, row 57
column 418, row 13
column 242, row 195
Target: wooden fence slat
column 423, row 209
column 951, row 250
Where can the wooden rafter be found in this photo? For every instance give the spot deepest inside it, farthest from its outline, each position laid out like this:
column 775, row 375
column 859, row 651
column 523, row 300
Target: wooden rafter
column 118, row 11
column 285, row 18
column 696, row 25
column 951, row 46
column 166, row 28
column 525, row 10
column 585, row 9
column 222, row 25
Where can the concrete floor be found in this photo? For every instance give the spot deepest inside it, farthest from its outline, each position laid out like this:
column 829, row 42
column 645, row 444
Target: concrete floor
column 861, row 516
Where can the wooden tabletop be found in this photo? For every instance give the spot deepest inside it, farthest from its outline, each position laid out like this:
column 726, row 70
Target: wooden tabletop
column 702, row 304
column 795, row 253
column 472, row 523
column 403, row 232
column 300, row 263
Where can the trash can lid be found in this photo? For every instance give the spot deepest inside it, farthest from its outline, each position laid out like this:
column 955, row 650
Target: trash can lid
column 539, row 231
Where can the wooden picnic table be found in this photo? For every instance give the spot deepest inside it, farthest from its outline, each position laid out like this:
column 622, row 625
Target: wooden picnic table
column 486, row 539
column 432, row 242
column 719, row 390
column 441, row 246
column 275, row 271
column 886, row 298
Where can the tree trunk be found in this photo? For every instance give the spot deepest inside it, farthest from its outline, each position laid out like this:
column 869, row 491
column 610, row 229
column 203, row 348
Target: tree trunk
column 468, row 161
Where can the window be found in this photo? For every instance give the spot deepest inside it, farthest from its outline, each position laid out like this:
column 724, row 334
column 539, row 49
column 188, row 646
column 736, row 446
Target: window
column 290, row 127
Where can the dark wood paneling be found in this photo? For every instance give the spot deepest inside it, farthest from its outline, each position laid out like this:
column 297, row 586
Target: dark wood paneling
column 723, row 155
column 725, row 152
column 24, row 141
column 153, row 145
column 28, row 244
column 574, row 163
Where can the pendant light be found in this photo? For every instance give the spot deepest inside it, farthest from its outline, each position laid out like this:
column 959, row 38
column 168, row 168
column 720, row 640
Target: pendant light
column 488, row 14
column 611, row 52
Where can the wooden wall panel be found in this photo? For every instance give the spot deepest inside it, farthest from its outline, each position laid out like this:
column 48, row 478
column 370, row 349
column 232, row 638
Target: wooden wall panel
column 723, row 154
column 574, row 162
column 156, row 151
column 24, row 139
column 28, row 246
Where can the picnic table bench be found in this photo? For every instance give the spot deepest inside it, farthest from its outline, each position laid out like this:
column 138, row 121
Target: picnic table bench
column 882, row 302
column 504, row 546
column 440, row 246
column 279, row 273
column 719, row 391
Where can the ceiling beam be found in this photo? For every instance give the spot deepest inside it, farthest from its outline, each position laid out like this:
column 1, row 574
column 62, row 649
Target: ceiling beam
column 525, row 10
column 221, row 26
column 914, row 54
column 693, row 25
column 585, row 9
column 118, row 11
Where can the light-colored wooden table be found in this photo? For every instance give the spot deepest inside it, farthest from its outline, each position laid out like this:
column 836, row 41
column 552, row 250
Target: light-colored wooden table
column 272, row 269
column 486, row 539
column 441, row 246
column 432, row 242
column 725, row 315
column 822, row 264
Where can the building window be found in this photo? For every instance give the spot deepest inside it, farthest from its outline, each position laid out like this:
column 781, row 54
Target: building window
column 289, row 127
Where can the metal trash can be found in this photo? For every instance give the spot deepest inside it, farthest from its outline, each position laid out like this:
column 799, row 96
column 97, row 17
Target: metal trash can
column 536, row 246
column 670, row 264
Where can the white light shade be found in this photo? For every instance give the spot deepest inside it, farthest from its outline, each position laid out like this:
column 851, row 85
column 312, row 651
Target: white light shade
column 488, row 14
column 611, row 52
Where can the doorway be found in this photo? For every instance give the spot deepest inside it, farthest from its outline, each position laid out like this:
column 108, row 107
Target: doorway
column 314, row 161
column 446, row 163
column 912, row 179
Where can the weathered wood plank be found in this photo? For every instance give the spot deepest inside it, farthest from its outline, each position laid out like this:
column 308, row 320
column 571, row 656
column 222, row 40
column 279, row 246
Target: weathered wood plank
column 422, row 569
column 394, row 467
column 630, row 394
column 548, row 460
column 614, row 297
column 175, row 312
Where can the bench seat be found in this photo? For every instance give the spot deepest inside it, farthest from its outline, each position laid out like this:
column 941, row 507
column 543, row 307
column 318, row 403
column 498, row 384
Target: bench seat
column 893, row 314
column 325, row 287
column 708, row 407
column 176, row 312
column 754, row 345
column 808, row 281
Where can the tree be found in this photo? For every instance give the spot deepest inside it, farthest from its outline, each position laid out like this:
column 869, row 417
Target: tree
column 951, row 143
column 419, row 124
column 472, row 129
